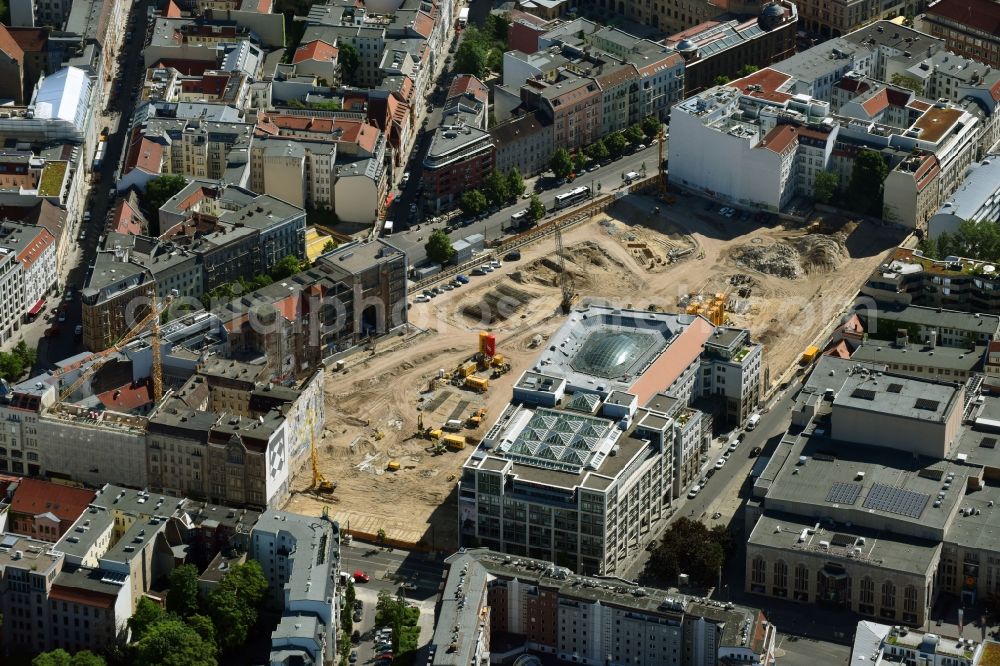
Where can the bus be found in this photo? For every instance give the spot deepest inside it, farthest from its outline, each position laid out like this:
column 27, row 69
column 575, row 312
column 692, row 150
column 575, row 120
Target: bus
column 575, row 195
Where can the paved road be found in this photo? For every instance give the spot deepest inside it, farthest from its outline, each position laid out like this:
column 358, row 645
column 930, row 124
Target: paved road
column 411, row 241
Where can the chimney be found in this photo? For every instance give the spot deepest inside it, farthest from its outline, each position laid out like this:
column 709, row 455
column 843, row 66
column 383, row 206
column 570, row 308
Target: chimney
column 902, row 339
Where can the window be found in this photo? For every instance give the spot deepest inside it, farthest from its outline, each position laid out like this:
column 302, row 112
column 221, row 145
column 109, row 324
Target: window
column 910, row 599
column 888, row 595
column 757, row 571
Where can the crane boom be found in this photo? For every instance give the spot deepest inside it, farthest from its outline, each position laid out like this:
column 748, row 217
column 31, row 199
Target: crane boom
column 565, row 279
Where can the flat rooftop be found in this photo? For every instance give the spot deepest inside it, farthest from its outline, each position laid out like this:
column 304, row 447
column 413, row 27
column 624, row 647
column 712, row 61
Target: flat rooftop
column 987, row 324
column 907, row 397
column 941, row 358
column 935, row 123
column 783, row 531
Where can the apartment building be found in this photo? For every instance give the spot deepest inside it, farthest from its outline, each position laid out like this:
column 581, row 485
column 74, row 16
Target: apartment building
column 723, row 47
column 34, row 248
column 883, row 644
column 969, row 29
column 976, row 199
column 26, row 565
column 949, row 328
column 184, row 39
column 45, row 511
column 906, row 278
column 12, row 68
column 834, row 19
column 732, row 372
column 525, row 142
column 922, row 359
column 675, row 15
column 544, row 610
column 460, row 155
column 11, row 291
column 300, row 556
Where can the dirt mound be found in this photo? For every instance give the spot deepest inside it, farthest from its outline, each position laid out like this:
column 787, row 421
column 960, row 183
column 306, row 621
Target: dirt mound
column 590, row 266
column 821, row 252
column 498, row 304
column 780, row 259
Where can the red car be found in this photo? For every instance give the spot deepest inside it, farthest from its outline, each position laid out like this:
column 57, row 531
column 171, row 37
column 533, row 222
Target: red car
column 361, row 577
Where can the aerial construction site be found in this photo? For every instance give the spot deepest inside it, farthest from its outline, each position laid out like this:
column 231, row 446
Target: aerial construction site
column 402, row 421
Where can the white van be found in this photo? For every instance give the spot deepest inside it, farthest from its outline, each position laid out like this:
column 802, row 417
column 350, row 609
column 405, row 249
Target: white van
column 630, row 176
column 753, row 421
column 694, row 491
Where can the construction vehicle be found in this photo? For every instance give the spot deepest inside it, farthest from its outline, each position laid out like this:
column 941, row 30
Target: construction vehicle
column 437, row 449
column 320, row 483
column 476, row 418
column 809, row 355
column 565, row 279
column 498, row 361
column 456, row 442
column 434, row 434
column 467, row 369
column 453, row 425
column 102, row 357
column 393, row 466
column 479, row 384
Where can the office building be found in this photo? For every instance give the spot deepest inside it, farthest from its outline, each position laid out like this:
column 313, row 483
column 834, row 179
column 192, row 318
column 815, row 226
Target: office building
column 969, row 28
column 884, row 645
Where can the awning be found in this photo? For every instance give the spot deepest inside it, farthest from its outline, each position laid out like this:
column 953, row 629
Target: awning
column 37, row 307
column 389, row 199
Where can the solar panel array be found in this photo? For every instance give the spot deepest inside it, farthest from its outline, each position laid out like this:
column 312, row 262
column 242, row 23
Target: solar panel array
column 843, row 493
column 883, row 497
column 929, row 405
column 864, row 394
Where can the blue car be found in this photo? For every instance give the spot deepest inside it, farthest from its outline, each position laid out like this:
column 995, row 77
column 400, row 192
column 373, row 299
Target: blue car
column 462, row 279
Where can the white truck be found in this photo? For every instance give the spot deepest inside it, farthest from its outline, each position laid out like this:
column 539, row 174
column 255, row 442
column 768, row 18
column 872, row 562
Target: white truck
column 463, row 17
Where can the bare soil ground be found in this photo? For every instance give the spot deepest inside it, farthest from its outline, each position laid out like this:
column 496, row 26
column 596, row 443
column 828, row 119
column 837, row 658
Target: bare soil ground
column 627, row 257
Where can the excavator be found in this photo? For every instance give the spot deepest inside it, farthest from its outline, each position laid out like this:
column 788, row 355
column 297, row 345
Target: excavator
column 320, row 483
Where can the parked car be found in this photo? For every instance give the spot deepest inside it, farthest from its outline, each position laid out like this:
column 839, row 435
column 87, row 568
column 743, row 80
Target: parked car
column 421, row 299
column 734, row 445
column 694, row 492
column 477, row 271
column 719, row 463
column 461, row 278
column 754, row 452
column 62, row 317
column 358, row 604
column 354, row 656
column 642, row 146
column 78, row 330
column 513, row 255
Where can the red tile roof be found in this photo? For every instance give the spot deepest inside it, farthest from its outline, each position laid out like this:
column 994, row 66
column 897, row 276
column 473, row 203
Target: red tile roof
column 779, row 138
column 189, row 67
column 768, row 80
column 423, row 25
column 876, row 104
column 852, row 85
column 126, row 220
column 995, row 91
column 127, row 398
column 80, row 596
column 919, row 105
column 682, row 351
column 350, row 131
column 316, row 50
column 467, row 84
column 9, row 45
column 34, row 497
column 33, row 250
column 146, row 155
column 983, row 15
column 31, row 40
column 172, row 10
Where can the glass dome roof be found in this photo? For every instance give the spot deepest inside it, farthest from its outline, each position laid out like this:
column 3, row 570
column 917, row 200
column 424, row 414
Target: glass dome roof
column 610, row 354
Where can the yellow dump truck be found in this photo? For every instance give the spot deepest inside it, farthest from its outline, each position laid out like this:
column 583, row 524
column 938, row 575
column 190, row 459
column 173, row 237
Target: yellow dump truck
column 467, row 369
column 477, row 383
column 456, row 442
column 809, row 355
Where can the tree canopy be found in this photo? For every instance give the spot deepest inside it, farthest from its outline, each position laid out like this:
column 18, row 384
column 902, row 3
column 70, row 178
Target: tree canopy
column 597, row 150
column 747, row 70
column 182, row 597
column 561, row 163
column 439, row 248
column 825, row 186
column 689, row 547
column 17, row 361
column 472, row 202
column 160, row 189
column 146, row 614
column 651, row 126
column 495, row 187
column 287, row 267
column 864, row 193
column 515, row 182
column 233, row 604
column 60, row 657
column 349, row 59
column 976, row 240
column 616, row 144
column 172, row 643
column 634, row 134
column 536, row 209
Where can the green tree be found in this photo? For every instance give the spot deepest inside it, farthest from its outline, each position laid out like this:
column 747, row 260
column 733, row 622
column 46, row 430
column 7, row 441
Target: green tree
column 634, row 134
column 689, row 547
column 864, row 193
column 439, row 248
column 380, row 536
column 616, row 144
column 58, row 657
column 721, row 80
column 825, row 186
column 746, row 70
column 147, row 613
column 497, row 26
column 471, row 58
column 561, row 163
column 160, row 189
column 536, row 209
column 495, row 188
column 908, row 82
column 515, row 183
column 287, row 267
column 172, row 643
column 472, row 202
column 232, row 620
column 202, row 625
column 348, row 59
column 597, row 151
column 329, row 246
column 579, row 161
column 182, row 596
column 350, row 595
column 346, row 620
column 651, row 126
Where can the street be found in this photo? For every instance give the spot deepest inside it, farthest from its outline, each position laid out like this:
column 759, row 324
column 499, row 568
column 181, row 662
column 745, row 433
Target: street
column 609, row 177
column 388, row 570
column 80, row 256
